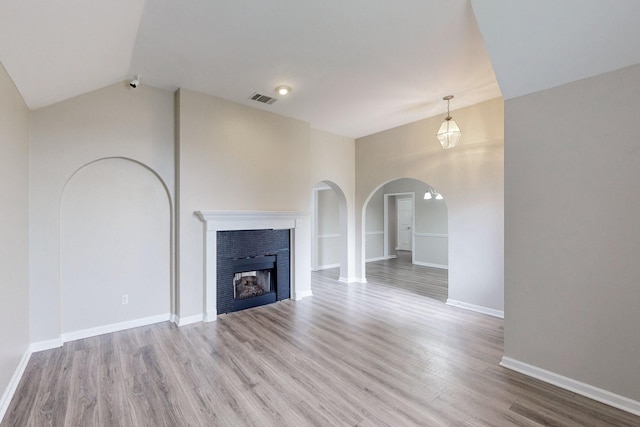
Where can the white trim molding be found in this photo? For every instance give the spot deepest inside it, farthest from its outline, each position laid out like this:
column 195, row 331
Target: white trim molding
column 13, row 383
column 380, row 258
column 297, row 222
column 350, row 280
column 429, row 264
column 587, row 390
column 326, row 267
column 188, row 320
column 45, row 345
column 328, row 236
column 434, row 235
column 114, row 327
column 477, row 308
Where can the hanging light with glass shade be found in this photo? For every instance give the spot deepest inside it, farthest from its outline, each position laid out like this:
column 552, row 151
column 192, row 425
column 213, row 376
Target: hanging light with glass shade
column 449, row 133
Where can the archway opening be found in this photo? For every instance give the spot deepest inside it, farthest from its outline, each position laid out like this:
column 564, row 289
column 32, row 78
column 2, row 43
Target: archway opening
column 405, row 237
column 329, row 246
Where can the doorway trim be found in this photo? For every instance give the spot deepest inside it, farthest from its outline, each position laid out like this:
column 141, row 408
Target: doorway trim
column 407, row 195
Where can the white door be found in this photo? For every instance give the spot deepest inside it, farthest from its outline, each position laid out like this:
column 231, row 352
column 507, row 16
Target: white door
column 405, row 221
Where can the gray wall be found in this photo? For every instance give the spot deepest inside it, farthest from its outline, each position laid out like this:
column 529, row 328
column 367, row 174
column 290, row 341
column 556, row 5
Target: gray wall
column 332, row 160
column 374, row 227
column 329, row 238
column 115, row 240
column 14, row 286
column 572, row 239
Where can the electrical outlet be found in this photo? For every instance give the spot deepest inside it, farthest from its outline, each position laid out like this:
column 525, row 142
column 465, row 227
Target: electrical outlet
column 125, row 299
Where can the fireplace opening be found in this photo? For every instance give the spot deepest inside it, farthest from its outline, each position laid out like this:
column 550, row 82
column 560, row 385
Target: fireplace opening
column 251, row 284
column 254, row 281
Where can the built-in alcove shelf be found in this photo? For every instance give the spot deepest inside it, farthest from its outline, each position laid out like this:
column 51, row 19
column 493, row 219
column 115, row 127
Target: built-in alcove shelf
column 297, row 222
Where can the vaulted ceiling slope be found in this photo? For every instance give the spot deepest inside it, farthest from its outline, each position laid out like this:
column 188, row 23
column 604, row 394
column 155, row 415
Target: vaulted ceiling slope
column 55, row 50
column 356, row 67
column 537, row 45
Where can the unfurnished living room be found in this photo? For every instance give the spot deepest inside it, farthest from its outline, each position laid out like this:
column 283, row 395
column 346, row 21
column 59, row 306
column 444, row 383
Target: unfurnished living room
column 335, row 213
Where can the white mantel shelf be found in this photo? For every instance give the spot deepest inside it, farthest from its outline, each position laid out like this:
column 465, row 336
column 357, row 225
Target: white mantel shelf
column 297, row 222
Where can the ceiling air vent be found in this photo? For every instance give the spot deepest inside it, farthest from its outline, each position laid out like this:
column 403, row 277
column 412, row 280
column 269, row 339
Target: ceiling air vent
column 263, row 98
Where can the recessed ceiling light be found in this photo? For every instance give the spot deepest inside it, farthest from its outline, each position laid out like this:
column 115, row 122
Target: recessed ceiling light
column 283, row 89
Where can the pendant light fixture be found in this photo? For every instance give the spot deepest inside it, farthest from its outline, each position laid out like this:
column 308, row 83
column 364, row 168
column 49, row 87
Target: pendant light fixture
column 449, row 133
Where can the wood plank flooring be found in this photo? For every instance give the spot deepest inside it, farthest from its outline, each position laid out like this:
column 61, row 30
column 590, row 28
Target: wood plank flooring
column 401, row 273
column 351, row 355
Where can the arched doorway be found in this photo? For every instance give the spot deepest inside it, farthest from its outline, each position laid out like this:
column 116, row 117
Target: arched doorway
column 115, row 246
column 396, row 242
column 329, row 247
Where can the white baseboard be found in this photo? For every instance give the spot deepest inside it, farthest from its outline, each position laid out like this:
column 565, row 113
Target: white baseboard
column 211, row 316
column 326, row 267
column 476, row 308
column 114, row 327
column 45, row 345
column 13, row 383
column 380, row 258
column 300, row 295
column 428, row 264
column 592, row 392
column 187, row 320
column 349, row 280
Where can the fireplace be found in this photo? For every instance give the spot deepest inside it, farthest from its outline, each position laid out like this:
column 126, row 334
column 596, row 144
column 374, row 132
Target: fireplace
column 298, row 260
column 253, row 268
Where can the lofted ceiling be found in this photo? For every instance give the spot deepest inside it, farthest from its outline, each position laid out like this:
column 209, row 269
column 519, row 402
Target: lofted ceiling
column 356, row 67
column 537, row 45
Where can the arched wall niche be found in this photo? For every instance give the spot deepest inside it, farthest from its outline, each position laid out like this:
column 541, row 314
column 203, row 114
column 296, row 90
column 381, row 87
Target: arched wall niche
column 116, row 246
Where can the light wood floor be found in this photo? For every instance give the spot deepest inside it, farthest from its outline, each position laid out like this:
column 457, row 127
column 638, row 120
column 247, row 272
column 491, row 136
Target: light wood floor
column 351, row 355
column 401, row 273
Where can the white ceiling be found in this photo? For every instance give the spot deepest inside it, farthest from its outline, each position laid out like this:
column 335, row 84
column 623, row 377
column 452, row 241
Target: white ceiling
column 55, row 50
column 536, row 45
column 356, row 66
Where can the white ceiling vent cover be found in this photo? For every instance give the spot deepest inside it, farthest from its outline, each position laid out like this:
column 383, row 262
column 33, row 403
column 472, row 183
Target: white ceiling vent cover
column 264, row 99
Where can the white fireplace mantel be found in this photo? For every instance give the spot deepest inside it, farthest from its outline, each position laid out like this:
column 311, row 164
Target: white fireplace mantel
column 297, row 222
